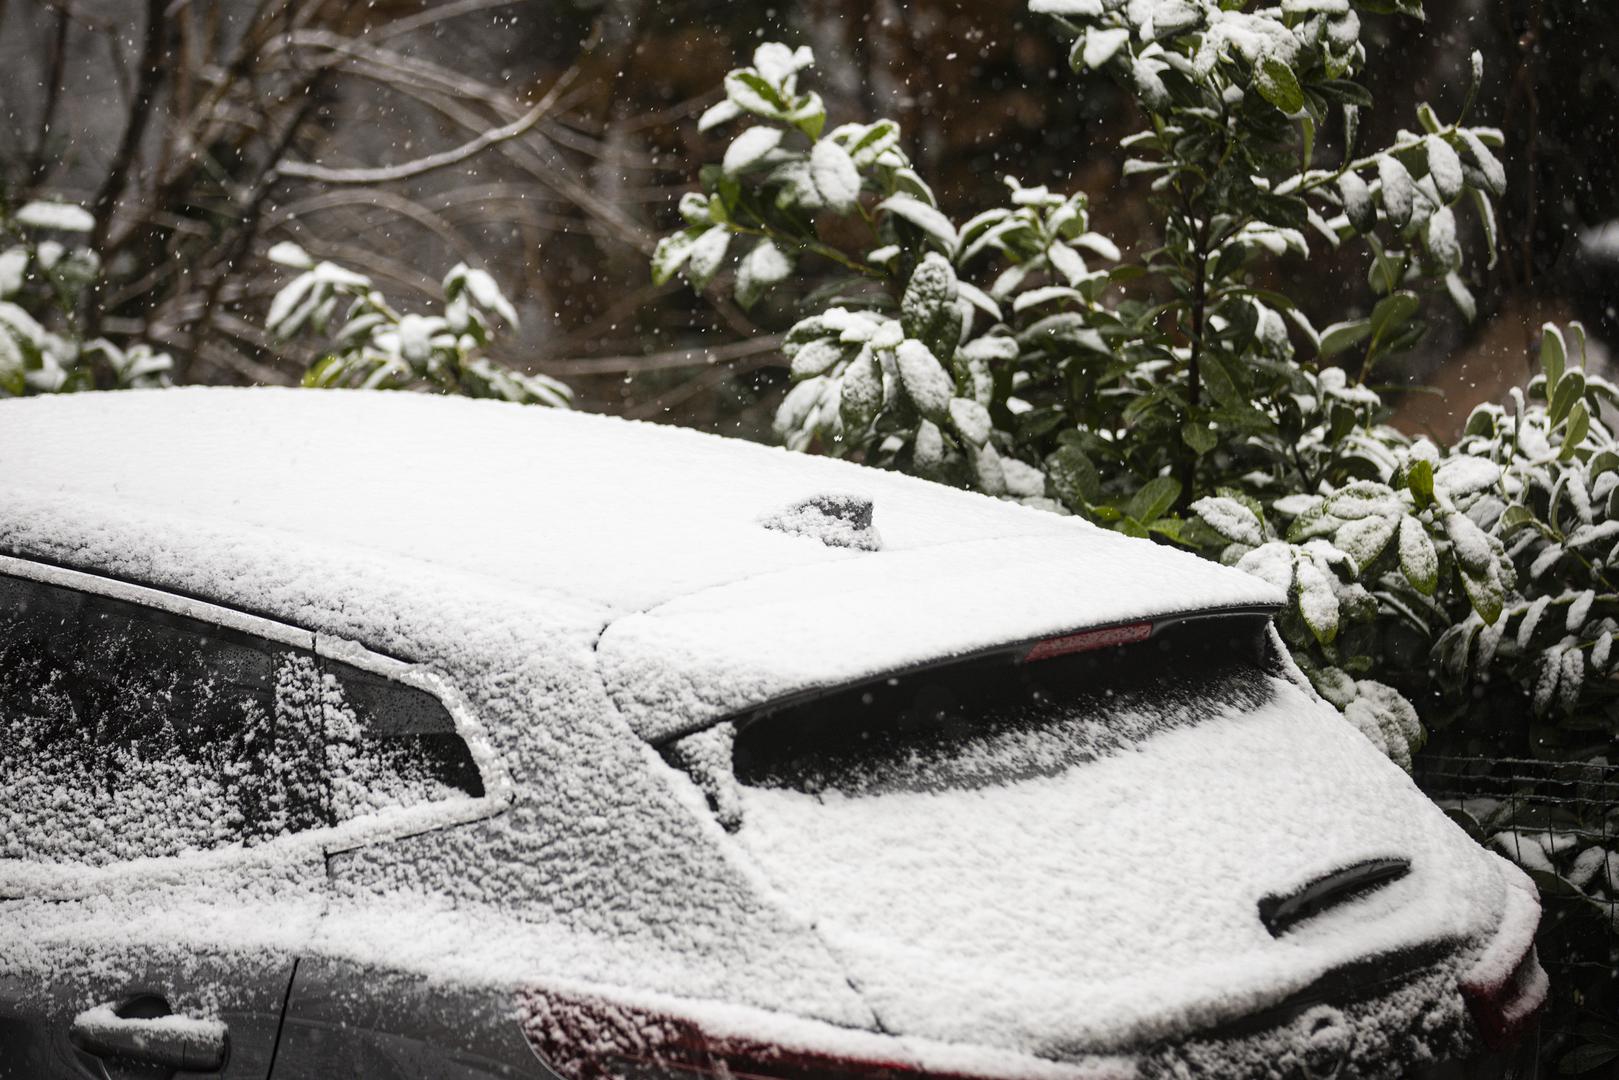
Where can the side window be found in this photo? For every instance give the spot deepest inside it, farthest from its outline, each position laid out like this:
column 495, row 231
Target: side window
column 128, row 732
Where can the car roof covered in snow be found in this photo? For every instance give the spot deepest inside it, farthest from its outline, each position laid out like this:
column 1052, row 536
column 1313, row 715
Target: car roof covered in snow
column 658, row 530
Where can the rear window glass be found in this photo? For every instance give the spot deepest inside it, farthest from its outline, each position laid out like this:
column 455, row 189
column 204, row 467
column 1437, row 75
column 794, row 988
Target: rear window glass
column 128, row 732
column 999, row 719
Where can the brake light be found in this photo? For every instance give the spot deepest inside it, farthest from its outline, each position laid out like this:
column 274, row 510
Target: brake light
column 1504, row 1009
column 1506, row 986
column 592, row 1037
column 1088, row 641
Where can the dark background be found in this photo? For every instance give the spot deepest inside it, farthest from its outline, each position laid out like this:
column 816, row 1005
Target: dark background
column 566, row 214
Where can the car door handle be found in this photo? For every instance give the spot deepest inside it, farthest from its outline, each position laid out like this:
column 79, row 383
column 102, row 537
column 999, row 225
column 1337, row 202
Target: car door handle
column 167, row 1040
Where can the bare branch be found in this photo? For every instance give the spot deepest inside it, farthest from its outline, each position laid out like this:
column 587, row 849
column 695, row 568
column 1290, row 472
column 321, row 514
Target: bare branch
column 140, row 112
column 407, row 169
column 671, row 360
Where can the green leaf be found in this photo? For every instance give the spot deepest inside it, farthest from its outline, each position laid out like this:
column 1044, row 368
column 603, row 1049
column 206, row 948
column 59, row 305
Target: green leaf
column 1343, row 92
column 1484, row 593
column 1570, row 389
column 1278, row 85
column 1419, row 481
column 1340, row 336
column 1390, row 315
column 1153, row 499
column 1516, row 516
column 1553, row 355
column 1200, row 437
column 1585, row 1059
column 1218, row 378
column 13, row 377
column 1075, row 476
column 1579, row 425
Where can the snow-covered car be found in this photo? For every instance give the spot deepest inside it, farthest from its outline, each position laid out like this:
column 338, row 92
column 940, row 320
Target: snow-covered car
column 380, row 735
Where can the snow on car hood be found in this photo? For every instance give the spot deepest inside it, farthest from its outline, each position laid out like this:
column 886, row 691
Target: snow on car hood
column 715, row 653
column 1116, row 902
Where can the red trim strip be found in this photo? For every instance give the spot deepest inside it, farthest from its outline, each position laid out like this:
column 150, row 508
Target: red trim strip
column 1088, row 641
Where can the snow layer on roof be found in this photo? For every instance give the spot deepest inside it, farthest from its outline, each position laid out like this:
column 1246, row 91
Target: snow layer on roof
column 1117, row 902
column 187, row 488
column 609, row 511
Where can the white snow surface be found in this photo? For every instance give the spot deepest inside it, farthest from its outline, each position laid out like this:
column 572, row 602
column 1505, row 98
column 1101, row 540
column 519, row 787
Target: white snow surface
column 229, row 494
column 1008, row 910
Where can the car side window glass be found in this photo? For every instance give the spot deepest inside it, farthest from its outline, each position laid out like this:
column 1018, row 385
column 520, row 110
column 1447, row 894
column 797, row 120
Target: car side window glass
column 126, row 732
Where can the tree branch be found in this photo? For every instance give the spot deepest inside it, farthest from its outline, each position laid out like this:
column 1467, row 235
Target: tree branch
column 407, row 169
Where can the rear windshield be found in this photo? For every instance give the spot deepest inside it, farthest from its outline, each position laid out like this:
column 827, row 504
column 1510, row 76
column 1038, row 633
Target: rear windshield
column 1001, row 718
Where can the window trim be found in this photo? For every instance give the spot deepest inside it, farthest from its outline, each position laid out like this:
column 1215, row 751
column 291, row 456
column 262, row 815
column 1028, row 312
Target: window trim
column 65, row 881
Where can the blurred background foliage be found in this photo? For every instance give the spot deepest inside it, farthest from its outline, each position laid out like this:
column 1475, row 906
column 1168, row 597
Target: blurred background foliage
column 402, row 137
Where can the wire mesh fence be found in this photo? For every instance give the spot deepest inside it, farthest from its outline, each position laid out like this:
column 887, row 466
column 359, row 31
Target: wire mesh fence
column 1559, row 820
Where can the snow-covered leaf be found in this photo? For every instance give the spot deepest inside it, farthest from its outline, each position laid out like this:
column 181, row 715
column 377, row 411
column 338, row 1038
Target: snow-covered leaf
column 1399, row 190
column 759, row 269
column 13, row 266
column 65, row 217
column 924, row 378
column 1067, row 262
column 1231, row 519
column 1318, row 603
column 1419, row 560
column 862, row 391
column 1278, row 85
column 934, row 224
column 835, row 175
column 1364, row 538
column 971, row 420
column 670, row 255
column 287, row 253
column 1358, row 204
column 1076, row 8
column 1444, row 166
column 749, row 149
column 1441, row 239
column 1102, row 44
column 707, row 254
column 717, row 114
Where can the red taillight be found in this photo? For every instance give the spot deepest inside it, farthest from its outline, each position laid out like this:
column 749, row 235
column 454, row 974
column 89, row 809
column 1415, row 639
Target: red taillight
column 1505, row 1009
column 1506, row 985
column 586, row 1036
column 1103, row 637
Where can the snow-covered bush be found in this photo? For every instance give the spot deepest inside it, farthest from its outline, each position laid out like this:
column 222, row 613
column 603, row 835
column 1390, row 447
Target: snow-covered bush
column 373, row 346
column 1023, row 354
column 45, row 275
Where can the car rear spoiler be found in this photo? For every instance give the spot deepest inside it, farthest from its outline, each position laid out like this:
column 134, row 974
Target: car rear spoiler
column 1237, row 622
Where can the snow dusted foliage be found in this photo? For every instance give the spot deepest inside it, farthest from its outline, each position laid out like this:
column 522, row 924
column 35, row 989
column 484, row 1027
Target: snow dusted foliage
column 372, row 346
column 1022, row 354
column 1069, row 396
column 45, row 274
